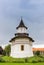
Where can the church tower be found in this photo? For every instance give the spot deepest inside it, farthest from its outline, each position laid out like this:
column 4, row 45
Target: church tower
column 21, row 44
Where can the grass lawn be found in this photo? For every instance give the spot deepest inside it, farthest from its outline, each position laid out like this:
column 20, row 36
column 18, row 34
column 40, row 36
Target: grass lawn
column 21, row 63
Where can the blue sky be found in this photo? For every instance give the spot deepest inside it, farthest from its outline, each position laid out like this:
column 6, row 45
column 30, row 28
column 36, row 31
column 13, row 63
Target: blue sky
column 32, row 12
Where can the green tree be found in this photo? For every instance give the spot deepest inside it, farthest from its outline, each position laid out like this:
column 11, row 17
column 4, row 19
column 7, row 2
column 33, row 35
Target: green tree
column 8, row 50
column 37, row 53
column 1, row 50
column 4, row 52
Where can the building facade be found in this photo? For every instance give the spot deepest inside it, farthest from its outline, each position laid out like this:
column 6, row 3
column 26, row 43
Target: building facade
column 21, row 44
column 41, row 50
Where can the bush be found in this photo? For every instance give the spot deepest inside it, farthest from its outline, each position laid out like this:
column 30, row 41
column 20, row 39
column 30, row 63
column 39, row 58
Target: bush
column 8, row 59
column 26, row 60
column 19, row 60
column 33, row 59
column 1, row 59
column 16, row 60
column 37, row 53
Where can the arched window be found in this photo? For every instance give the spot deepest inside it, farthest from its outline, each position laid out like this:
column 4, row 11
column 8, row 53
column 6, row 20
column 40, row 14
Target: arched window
column 22, row 47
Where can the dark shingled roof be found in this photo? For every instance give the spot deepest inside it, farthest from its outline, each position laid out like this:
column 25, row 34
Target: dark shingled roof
column 21, row 24
column 21, row 34
column 21, row 37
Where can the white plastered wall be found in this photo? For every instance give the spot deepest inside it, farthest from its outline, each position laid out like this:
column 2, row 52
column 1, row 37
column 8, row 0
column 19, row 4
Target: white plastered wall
column 21, row 30
column 16, row 48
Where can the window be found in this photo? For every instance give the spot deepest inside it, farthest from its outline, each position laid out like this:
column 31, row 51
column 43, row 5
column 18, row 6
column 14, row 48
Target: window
column 22, row 47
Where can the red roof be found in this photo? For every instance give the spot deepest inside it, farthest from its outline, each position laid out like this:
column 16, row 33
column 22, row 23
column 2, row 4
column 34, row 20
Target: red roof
column 38, row 49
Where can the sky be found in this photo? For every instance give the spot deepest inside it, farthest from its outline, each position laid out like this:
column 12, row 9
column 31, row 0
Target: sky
column 32, row 12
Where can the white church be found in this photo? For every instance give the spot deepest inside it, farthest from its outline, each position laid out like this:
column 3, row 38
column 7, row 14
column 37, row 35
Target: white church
column 21, row 44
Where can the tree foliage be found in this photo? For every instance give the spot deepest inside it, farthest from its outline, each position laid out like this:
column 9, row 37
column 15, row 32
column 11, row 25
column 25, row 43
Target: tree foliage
column 8, row 49
column 1, row 50
column 37, row 53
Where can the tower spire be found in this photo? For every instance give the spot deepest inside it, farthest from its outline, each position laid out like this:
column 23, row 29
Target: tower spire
column 21, row 24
